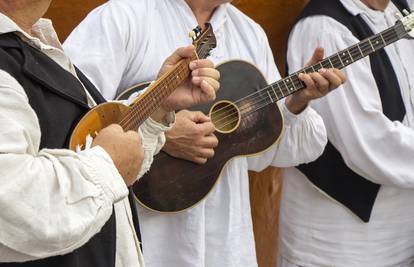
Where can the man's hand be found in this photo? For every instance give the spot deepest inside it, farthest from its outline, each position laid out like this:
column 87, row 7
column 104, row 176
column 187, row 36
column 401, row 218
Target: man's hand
column 318, row 84
column 125, row 150
column 200, row 88
column 192, row 137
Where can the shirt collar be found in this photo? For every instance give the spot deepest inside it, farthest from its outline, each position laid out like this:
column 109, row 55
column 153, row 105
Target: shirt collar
column 357, row 7
column 218, row 19
column 44, row 35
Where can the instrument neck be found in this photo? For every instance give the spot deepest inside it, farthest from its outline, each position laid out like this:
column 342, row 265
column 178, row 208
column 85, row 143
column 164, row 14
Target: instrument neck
column 156, row 94
column 340, row 60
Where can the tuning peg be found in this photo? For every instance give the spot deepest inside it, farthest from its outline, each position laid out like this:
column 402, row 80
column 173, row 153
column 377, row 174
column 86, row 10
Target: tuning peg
column 398, row 16
column 195, row 32
column 192, row 34
column 406, row 12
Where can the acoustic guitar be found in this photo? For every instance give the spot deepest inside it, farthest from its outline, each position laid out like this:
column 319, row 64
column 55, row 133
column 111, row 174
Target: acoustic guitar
column 131, row 117
column 247, row 121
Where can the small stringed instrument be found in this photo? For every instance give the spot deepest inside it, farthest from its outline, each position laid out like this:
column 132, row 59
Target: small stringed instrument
column 247, row 122
column 131, row 117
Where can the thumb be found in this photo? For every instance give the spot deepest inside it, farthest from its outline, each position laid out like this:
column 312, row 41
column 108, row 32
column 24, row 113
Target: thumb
column 199, row 117
column 180, row 53
column 317, row 56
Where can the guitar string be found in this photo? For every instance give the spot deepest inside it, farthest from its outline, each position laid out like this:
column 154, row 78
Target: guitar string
column 131, row 120
column 293, row 75
column 138, row 112
column 139, row 109
column 203, row 52
column 260, row 98
column 267, row 102
column 385, row 34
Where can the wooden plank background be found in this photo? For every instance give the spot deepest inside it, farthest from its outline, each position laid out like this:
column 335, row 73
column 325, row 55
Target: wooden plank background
column 276, row 17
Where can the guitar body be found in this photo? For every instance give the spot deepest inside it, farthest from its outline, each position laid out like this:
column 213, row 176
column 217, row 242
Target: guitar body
column 95, row 120
column 131, row 117
column 174, row 184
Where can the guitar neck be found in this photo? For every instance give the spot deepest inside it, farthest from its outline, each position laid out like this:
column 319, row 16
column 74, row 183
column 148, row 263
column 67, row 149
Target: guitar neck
column 156, row 94
column 340, row 60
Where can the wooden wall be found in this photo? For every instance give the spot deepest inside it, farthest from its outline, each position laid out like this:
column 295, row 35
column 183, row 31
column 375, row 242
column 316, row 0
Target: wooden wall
column 276, row 17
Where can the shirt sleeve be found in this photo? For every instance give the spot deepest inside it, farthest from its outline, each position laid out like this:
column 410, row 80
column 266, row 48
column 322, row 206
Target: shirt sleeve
column 303, row 140
column 370, row 144
column 153, row 139
column 53, row 200
column 103, row 47
column 304, row 136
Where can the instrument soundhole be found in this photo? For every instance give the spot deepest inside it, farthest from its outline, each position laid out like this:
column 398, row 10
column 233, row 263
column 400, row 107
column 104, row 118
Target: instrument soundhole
column 225, row 116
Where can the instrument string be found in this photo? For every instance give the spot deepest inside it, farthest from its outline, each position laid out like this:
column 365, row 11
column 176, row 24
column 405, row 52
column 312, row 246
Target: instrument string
column 264, row 101
column 134, row 118
column 257, row 97
column 292, row 76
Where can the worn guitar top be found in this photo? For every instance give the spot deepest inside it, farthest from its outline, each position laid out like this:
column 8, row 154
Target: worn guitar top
column 218, row 232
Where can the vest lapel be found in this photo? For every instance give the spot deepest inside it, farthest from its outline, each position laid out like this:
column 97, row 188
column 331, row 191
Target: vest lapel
column 35, row 69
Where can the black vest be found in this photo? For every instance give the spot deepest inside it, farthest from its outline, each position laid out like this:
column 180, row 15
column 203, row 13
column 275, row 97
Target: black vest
column 329, row 172
column 59, row 101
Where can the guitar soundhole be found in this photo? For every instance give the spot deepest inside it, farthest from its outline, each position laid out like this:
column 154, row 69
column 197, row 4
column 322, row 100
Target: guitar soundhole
column 225, row 116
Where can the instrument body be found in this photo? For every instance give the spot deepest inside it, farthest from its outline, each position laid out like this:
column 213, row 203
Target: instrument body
column 175, row 184
column 130, row 118
column 95, row 120
column 255, row 123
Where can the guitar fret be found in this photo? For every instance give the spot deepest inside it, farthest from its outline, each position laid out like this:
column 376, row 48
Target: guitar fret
column 291, row 82
column 340, row 59
column 352, row 59
column 370, row 43
column 280, row 90
column 274, row 92
column 320, row 64
column 382, row 38
column 331, row 63
column 271, row 99
column 287, row 88
column 325, row 64
column 362, row 54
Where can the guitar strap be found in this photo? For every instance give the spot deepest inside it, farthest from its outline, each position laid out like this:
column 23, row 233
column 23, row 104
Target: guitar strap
column 329, row 172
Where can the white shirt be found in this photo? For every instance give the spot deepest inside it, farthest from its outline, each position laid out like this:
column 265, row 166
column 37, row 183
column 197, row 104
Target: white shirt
column 314, row 229
column 54, row 200
column 124, row 42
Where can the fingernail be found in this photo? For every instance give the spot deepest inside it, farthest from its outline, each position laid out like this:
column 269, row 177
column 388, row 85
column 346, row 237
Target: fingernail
column 193, row 65
column 196, row 79
column 195, row 73
column 322, row 71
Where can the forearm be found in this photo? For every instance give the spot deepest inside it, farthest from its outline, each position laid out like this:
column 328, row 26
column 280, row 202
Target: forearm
column 376, row 148
column 55, row 201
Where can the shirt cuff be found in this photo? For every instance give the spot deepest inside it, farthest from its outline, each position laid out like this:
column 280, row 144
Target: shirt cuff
column 291, row 118
column 106, row 173
column 157, row 128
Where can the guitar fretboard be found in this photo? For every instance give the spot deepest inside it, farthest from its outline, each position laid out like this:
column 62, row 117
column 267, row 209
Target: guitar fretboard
column 160, row 90
column 340, row 60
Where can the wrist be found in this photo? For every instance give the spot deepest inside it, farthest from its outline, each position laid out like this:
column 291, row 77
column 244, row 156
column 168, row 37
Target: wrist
column 159, row 115
column 296, row 104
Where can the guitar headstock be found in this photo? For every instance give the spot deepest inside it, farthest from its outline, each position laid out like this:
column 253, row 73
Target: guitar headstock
column 204, row 41
column 407, row 22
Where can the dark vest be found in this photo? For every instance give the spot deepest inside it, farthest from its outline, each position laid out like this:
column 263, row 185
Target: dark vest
column 329, row 172
column 59, row 101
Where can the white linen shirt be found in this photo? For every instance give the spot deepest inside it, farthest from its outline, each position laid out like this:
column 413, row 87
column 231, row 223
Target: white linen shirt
column 314, row 229
column 54, row 200
column 124, row 42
